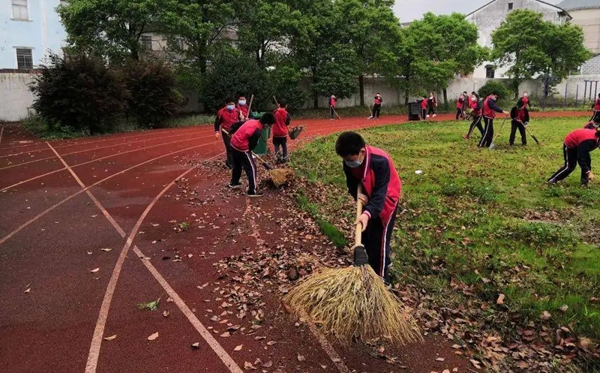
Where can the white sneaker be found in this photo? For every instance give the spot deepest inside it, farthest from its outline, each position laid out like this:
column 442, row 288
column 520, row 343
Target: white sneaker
column 434, row 115
column 427, row 116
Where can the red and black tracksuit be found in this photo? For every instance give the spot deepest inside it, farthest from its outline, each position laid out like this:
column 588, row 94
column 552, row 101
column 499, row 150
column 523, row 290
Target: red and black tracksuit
column 460, row 107
column 225, row 118
column 489, row 113
column 424, row 108
column 332, row 102
column 596, row 114
column 377, row 107
column 520, row 118
column 280, row 132
column 476, row 107
column 243, row 141
column 243, row 111
column 591, row 125
column 381, row 184
column 576, row 149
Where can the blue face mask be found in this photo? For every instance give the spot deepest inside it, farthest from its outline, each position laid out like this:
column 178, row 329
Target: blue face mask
column 230, row 107
column 353, row 164
column 242, row 102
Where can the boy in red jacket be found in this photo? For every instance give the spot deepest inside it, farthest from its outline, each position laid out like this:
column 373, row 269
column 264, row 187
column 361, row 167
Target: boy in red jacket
column 460, row 105
column 381, row 191
column 576, row 149
column 280, row 131
column 332, row 103
column 489, row 113
column 242, row 108
column 475, row 106
column 225, row 118
column 243, row 141
column 424, row 108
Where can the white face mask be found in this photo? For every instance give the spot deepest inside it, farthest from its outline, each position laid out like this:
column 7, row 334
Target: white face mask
column 525, row 95
column 242, row 102
column 473, row 99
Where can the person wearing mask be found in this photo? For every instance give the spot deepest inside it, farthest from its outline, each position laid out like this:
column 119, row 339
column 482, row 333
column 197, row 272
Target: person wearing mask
column 242, row 108
column 576, row 149
column 332, row 103
column 489, row 113
column 520, row 118
column 460, row 105
column 525, row 99
column 424, row 108
column 475, row 106
column 377, row 101
column 226, row 117
column 280, row 131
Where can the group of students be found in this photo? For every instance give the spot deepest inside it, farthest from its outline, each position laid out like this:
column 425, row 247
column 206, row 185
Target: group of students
column 241, row 133
column 375, row 112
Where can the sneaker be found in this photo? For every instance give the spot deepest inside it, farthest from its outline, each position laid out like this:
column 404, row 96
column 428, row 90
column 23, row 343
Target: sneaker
column 255, row 194
column 234, row 186
column 434, row 115
column 371, row 117
column 427, row 115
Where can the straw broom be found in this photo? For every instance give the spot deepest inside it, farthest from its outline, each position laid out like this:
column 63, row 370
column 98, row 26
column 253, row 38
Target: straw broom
column 353, row 303
column 279, row 176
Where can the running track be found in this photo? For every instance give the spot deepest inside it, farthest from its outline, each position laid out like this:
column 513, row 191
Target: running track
column 64, row 201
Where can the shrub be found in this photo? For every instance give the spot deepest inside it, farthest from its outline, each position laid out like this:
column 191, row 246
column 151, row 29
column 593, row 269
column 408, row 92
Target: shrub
column 153, row 97
column 286, row 81
column 494, row 86
column 79, row 93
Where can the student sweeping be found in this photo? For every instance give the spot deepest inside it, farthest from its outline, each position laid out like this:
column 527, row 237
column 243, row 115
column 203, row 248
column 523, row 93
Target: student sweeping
column 520, row 118
column 576, row 149
column 460, row 105
column 432, row 104
column 489, row 113
column 332, row 103
column 525, row 99
column 225, row 118
column 596, row 107
column 475, row 106
column 381, row 190
column 377, row 101
column 280, row 131
column 244, row 140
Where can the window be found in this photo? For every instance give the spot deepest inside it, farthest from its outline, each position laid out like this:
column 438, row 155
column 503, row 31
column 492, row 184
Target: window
column 147, row 42
column 24, row 59
column 489, row 72
column 19, row 8
column 510, row 6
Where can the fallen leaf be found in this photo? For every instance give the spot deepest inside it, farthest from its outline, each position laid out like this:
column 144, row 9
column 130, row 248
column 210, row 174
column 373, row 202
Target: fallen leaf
column 585, row 342
column 27, row 290
column 238, row 348
column 545, row 315
column 110, row 338
column 248, row 365
column 500, row 299
column 440, row 359
column 153, row 336
column 225, row 335
column 268, row 364
column 271, row 343
column 446, row 371
column 106, row 249
column 196, row 345
column 301, row 358
column 564, row 308
column 165, row 313
column 95, row 270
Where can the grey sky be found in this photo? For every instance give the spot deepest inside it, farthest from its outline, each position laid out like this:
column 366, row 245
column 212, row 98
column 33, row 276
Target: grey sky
column 409, row 10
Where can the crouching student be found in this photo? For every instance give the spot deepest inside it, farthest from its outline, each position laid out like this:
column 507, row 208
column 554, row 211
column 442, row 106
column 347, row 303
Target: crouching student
column 280, row 132
column 576, row 149
column 593, row 124
column 244, row 140
column 520, row 118
column 381, row 190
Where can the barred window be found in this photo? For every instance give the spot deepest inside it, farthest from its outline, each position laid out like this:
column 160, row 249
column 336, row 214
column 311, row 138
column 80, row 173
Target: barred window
column 24, row 59
column 147, row 42
column 19, row 8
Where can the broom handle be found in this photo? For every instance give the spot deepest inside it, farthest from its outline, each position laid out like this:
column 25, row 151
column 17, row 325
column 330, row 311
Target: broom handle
column 359, row 211
column 250, row 107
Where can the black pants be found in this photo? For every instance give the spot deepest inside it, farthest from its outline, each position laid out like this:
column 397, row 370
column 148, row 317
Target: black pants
column 476, row 123
column 227, row 141
column 376, row 111
column 595, row 116
column 331, row 112
column 570, row 164
column 460, row 113
column 423, row 113
column 377, row 239
column 488, row 133
column 431, row 110
column 513, row 131
column 244, row 160
column 280, row 142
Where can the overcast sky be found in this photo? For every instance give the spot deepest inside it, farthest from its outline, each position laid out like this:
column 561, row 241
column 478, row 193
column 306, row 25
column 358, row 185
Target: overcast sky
column 409, row 10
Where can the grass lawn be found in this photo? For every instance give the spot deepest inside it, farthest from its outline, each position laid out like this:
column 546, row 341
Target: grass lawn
column 482, row 218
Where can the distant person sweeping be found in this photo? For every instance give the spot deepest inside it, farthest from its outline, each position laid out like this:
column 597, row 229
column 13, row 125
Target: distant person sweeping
column 280, row 131
column 460, row 105
column 489, row 113
column 520, row 118
column 423, row 108
column 596, row 108
column 377, row 101
column 374, row 170
column 431, row 104
column 226, row 117
column 576, row 150
column 244, row 140
column 332, row 103
column 475, row 105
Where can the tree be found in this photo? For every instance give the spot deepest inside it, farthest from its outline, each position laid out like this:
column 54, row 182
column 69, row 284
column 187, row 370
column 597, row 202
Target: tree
column 532, row 46
column 109, row 28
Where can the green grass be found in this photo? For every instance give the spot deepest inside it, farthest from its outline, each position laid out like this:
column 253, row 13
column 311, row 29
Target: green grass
column 483, row 217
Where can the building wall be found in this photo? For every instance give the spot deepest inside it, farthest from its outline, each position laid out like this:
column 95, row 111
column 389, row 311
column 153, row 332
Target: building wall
column 16, row 96
column 42, row 32
column 589, row 20
column 591, row 66
column 490, row 17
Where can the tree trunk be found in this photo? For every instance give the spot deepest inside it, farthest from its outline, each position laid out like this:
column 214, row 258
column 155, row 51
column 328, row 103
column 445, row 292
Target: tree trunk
column 361, row 89
column 445, row 93
column 315, row 94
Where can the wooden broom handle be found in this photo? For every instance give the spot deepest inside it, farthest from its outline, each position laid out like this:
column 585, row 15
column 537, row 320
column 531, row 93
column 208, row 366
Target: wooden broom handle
column 359, row 211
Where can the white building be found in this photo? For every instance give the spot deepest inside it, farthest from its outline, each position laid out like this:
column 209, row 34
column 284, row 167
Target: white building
column 29, row 29
column 489, row 17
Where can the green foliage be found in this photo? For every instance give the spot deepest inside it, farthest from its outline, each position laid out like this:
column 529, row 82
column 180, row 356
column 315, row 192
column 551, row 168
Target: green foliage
column 494, row 86
column 286, row 82
column 79, row 93
column 153, row 97
column 337, row 70
column 541, row 234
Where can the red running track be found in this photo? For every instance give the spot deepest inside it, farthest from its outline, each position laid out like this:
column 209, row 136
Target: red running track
column 62, row 203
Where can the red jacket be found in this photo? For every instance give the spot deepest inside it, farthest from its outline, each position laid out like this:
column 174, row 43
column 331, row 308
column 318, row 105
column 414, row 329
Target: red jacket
column 490, row 108
column 424, row 104
column 247, row 136
column 577, row 137
column 460, row 102
column 597, row 105
column 332, row 102
column 380, row 183
column 476, row 106
column 282, row 121
column 378, row 100
column 243, row 109
column 226, row 118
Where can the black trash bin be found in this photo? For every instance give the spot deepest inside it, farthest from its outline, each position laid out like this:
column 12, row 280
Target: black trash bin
column 414, row 111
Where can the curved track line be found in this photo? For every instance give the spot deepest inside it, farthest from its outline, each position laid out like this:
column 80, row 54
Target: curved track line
column 22, row 226
column 98, row 148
